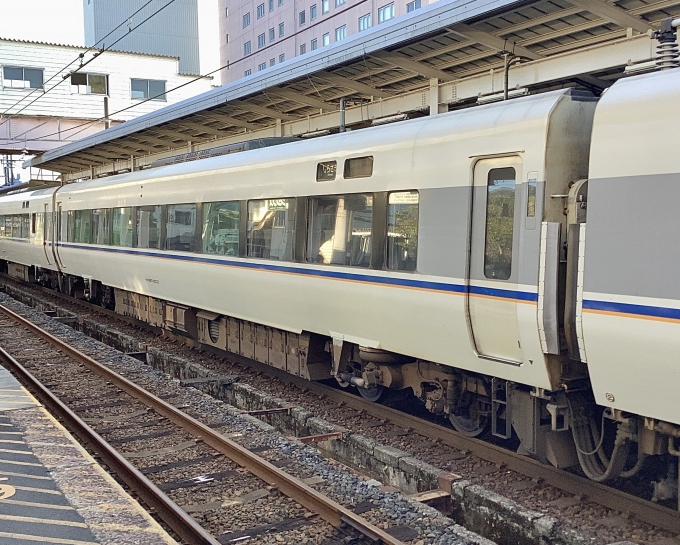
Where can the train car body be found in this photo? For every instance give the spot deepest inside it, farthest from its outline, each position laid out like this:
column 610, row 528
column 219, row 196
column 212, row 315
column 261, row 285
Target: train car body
column 510, row 270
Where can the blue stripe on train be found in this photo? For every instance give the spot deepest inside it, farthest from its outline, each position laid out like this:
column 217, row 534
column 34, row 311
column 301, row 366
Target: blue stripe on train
column 337, row 275
column 627, row 308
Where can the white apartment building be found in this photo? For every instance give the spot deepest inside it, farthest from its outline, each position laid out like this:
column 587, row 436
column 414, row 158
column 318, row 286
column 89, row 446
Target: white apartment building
column 257, row 34
column 47, row 99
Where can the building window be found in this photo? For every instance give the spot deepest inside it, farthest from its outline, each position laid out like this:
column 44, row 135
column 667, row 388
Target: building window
column 272, row 62
column 412, row 6
column 282, row 30
column 247, row 72
column 89, row 84
column 260, row 11
column 261, row 66
column 226, row 11
column 325, row 6
column 271, row 5
column 339, row 3
column 246, row 20
column 271, row 35
column 147, row 88
column 365, row 22
column 280, row 2
column 326, row 38
column 341, row 33
column 227, row 38
column 313, row 44
column 302, row 17
column 282, row 58
column 261, row 40
column 312, row 12
column 246, row 49
column 386, row 13
column 22, row 78
column 303, row 49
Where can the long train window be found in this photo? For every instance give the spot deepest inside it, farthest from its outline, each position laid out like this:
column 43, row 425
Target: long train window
column 340, row 230
column 8, row 226
column 122, row 227
column 271, row 229
column 402, row 230
column 149, row 227
column 220, row 228
column 181, row 227
column 500, row 217
column 82, row 226
column 101, row 222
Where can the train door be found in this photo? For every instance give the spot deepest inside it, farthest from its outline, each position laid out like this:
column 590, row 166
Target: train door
column 47, row 232
column 57, row 235
column 494, row 256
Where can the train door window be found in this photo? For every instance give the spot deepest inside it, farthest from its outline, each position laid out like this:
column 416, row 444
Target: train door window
column 220, row 232
column 181, row 228
column 101, row 222
column 500, row 219
column 271, row 229
column 34, row 221
column 149, row 227
column 82, row 220
column 402, row 230
column 339, row 230
column 122, row 227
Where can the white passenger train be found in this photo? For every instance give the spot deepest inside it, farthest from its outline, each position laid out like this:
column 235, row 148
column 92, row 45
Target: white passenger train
column 453, row 255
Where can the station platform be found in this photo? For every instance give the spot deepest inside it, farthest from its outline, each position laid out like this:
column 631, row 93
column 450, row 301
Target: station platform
column 52, row 491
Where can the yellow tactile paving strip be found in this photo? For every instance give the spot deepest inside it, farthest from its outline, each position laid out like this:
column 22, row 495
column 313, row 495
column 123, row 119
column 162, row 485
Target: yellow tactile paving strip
column 109, row 513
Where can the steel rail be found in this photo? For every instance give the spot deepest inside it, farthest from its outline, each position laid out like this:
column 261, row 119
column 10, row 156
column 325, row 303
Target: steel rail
column 330, row 511
column 185, row 526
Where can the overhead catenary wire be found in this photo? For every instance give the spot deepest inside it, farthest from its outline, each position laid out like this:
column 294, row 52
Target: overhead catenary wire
column 132, row 29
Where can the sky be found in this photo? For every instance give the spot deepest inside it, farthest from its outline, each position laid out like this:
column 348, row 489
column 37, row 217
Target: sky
column 61, row 21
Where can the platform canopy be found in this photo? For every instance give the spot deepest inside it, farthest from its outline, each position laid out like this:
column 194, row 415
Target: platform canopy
column 448, row 55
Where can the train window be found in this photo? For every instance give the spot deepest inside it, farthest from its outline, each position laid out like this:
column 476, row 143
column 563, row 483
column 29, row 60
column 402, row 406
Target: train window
column 122, row 227
column 402, row 230
column 340, row 230
column 271, row 229
column 181, row 228
column 359, row 167
column 34, row 221
column 531, row 198
column 9, row 220
column 38, row 222
column 325, row 172
column 16, row 226
column 101, row 222
column 220, row 227
column 25, row 226
column 149, row 227
column 2, row 226
column 82, row 226
column 500, row 219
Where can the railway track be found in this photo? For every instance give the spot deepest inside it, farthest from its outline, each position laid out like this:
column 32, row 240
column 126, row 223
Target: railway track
column 131, row 416
column 583, row 489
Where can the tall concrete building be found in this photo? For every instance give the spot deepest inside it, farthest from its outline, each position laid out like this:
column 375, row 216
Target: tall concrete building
column 257, row 34
column 173, row 31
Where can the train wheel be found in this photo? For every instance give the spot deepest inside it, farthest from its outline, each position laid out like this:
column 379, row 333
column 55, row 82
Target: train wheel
column 469, row 423
column 372, row 393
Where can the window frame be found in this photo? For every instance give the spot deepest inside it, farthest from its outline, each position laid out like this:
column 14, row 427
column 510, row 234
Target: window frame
column 23, row 75
column 282, row 30
column 247, row 48
column 260, row 12
column 261, row 40
column 326, row 39
column 290, row 226
column 325, row 6
column 312, row 12
column 340, row 33
column 386, row 9
column 88, row 87
column 389, row 247
column 314, row 44
column 246, row 20
column 364, row 18
column 487, row 217
column 261, row 66
column 160, row 98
